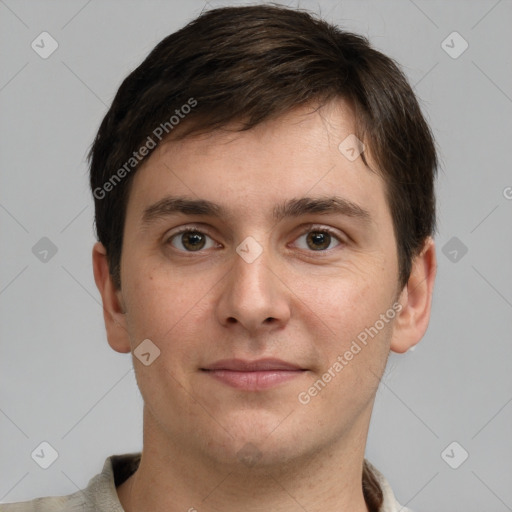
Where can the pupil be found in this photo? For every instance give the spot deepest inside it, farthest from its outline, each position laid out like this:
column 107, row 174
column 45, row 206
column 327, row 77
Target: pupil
column 320, row 240
column 193, row 240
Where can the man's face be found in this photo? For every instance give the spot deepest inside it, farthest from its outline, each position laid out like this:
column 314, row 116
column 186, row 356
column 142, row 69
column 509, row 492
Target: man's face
column 248, row 284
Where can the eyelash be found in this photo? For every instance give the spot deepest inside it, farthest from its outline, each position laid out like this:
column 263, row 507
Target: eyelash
column 309, row 229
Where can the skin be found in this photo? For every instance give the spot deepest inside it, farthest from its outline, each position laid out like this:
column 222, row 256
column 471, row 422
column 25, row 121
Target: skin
column 293, row 302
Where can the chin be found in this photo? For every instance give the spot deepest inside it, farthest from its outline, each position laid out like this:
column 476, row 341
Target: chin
column 258, row 443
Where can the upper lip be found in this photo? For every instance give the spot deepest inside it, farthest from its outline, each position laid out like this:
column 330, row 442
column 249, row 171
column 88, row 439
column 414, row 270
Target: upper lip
column 242, row 365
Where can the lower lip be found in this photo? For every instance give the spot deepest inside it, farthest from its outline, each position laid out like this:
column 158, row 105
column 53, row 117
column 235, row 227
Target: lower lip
column 254, row 381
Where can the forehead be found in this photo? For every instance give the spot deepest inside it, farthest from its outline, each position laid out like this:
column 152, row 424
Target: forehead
column 296, row 155
column 308, row 122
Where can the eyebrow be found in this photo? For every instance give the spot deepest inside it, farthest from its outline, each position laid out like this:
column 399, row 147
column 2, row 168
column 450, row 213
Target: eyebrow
column 169, row 206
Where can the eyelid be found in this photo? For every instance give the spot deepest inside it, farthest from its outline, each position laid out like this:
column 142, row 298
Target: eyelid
column 322, row 228
column 188, row 227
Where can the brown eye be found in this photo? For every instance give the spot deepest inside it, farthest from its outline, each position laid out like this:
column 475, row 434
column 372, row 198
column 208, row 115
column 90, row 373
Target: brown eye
column 193, row 241
column 318, row 240
column 190, row 240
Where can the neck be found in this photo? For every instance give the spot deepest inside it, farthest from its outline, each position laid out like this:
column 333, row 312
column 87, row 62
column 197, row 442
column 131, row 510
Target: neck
column 178, row 480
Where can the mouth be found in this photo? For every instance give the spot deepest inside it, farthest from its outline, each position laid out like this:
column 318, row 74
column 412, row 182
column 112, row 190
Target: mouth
column 253, row 375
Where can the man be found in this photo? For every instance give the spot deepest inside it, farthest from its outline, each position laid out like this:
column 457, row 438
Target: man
column 264, row 193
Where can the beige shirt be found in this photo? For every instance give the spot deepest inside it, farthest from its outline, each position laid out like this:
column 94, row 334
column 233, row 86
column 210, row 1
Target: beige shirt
column 100, row 494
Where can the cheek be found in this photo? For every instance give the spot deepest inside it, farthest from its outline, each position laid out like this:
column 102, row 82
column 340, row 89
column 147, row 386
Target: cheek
column 153, row 305
column 344, row 319
column 171, row 311
column 346, row 304
column 354, row 348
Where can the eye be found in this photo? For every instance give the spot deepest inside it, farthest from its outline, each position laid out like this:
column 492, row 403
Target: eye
column 318, row 239
column 191, row 240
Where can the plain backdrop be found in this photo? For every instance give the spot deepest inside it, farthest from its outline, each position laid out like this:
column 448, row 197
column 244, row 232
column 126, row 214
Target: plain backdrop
column 61, row 383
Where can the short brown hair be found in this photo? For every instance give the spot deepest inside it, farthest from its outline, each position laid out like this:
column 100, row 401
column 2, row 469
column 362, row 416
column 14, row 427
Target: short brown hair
column 250, row 64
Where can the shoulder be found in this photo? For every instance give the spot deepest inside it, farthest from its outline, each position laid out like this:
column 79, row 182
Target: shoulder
column 70, row 503
column 99, row 495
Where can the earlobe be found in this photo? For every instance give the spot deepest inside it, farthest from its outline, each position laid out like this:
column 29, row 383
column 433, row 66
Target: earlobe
column 416, row 300
column 113, row 305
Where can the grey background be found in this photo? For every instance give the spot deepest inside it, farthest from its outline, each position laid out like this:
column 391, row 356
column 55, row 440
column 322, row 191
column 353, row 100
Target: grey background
column 61, row 382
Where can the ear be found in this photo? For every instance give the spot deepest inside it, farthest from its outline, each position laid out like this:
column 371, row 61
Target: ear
column 416, row 299
column 113, row 307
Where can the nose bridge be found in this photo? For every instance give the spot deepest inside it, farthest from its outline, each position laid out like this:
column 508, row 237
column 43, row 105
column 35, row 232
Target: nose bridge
column 251, row 274
column 250, row 269
column 253, row 294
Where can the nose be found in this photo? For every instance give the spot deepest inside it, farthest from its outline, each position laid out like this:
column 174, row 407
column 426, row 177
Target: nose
column 254, row 295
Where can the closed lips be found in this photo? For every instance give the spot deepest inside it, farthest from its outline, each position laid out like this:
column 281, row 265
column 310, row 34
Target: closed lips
column 261, row 365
